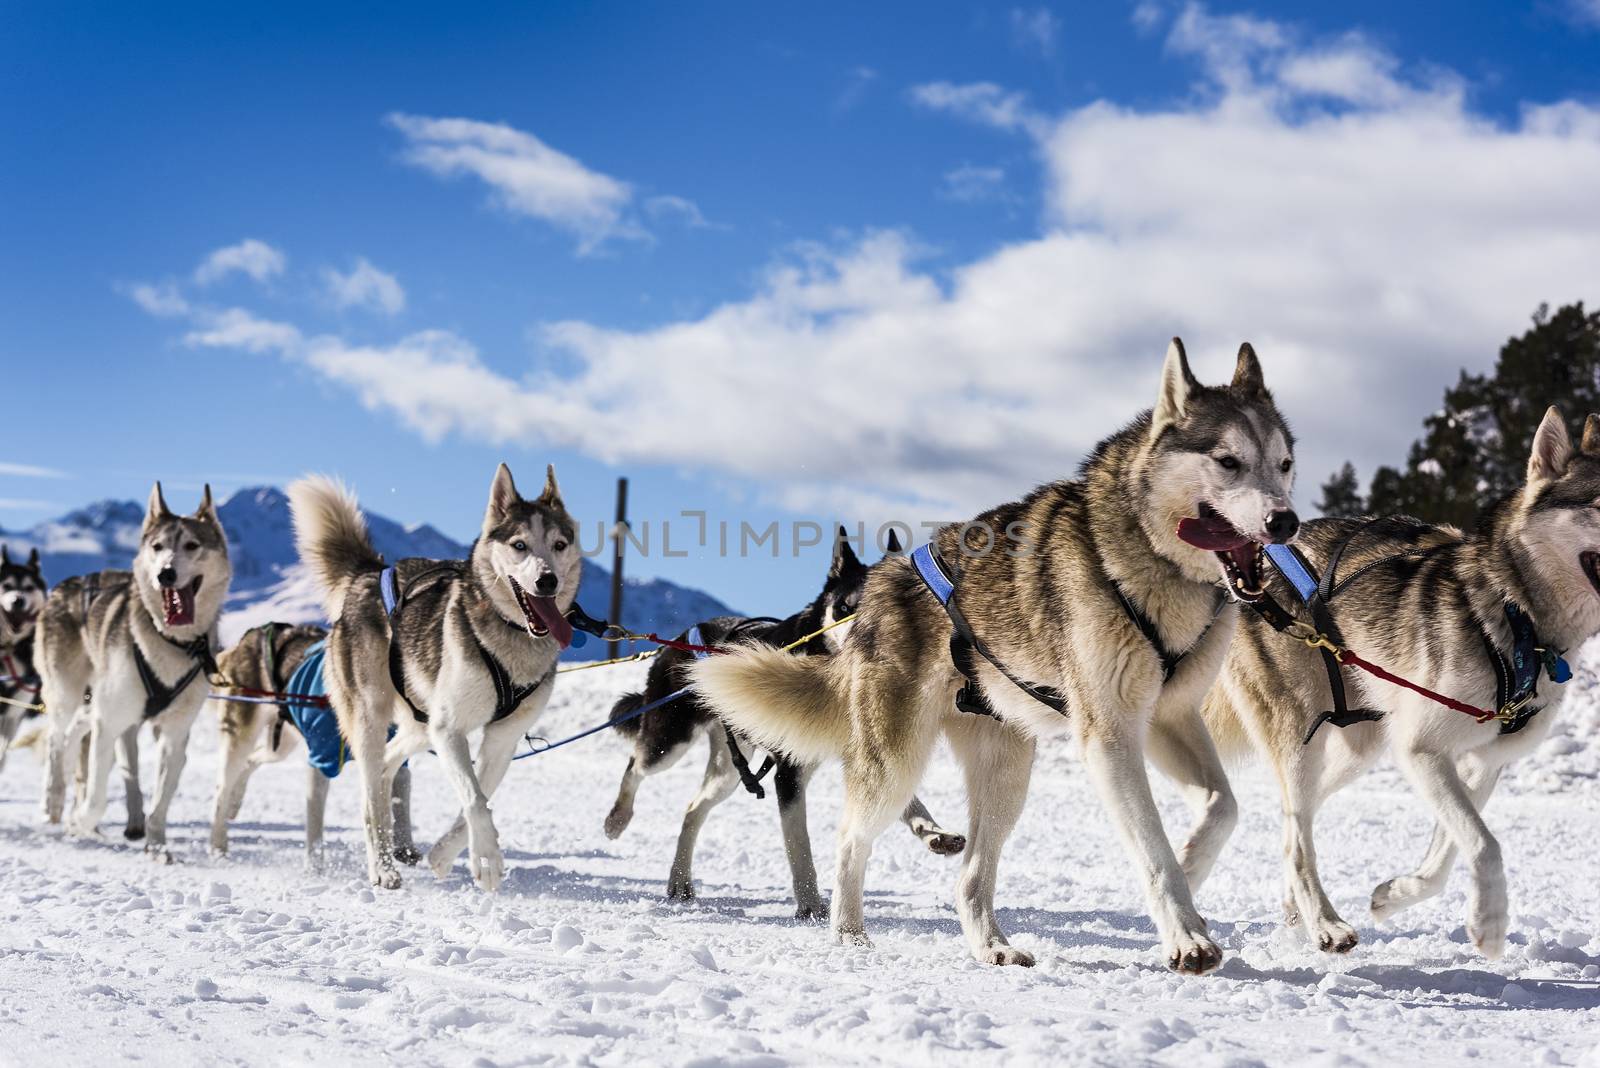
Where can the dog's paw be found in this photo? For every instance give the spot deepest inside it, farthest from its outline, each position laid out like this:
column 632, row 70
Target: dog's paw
column 1194, row 954
column 158, row 853
column 1291, row 913
column 852, row 936
column 1336, row 936
column 441, row 860
column 811, row 912
column 134, row 833
column 1488, row 933
column 1398, row 893
column 680, row 889
column 488, row 870
column 314, row 862
column 1003, row 955
column 617, row 821
column 408, row 855
column 386, row 879
column 946, row 844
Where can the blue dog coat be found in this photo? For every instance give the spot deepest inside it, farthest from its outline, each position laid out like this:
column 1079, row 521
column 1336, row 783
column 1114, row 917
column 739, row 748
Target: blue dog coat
column 325, row 747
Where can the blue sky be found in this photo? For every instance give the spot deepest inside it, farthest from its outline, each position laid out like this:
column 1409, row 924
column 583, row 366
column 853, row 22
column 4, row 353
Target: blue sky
column 868, row 261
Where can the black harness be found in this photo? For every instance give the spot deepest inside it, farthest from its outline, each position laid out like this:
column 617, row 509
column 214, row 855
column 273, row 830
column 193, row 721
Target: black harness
column 966, row 645
column 158, row 696
column 1516, row 679
column 508, row 696
column 741, row 763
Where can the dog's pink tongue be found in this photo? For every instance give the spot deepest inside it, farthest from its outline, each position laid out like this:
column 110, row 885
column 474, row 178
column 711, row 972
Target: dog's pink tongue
column 1214, row 534
column 549, row 614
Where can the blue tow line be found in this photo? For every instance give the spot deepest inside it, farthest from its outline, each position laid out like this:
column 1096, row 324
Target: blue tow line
column 537, row 745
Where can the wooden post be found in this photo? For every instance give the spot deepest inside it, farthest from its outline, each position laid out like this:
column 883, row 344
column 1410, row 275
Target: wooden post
column 618, row 541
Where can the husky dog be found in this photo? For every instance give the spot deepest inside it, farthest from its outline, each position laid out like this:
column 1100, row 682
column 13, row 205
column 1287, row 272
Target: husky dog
column 470, row 644
column 22, row 594
column 1083, row 590
column 1429, row 604
column 140, row 642
column 265, row 659
column 662, row 735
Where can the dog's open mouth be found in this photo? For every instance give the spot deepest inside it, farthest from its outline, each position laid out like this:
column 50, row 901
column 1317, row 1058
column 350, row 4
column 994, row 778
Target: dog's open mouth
column 1241, row 555
column 1590, row 562
column 19, row 617
column 177, row 602
column 542, row 616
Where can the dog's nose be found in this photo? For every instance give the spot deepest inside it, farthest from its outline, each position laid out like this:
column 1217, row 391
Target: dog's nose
column 546, row 586
column 1283, row 525
column 167, row 576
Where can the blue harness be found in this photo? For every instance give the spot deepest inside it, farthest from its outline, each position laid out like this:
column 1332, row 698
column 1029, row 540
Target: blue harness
column 325, row 748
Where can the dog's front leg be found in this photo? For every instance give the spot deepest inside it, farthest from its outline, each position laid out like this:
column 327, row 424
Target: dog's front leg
column 1181, row 747
column 96, row 772
column 233, row 773
column 1435, row 777
column 172, row 736
column 316, row 813
column 1428, row 880
column 483, row 844
column 10, row 720
column 998, row 763
column 133, row 798
column 494, row 759
column 720, row 780
column 1113, row 753
column 405, row 847
column 64, row 732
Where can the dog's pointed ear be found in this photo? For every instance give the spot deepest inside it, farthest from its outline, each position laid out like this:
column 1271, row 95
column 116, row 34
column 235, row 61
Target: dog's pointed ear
column 893, row 547
column 33, row 558
column 156, row 509
column 1591, row 436
column 1552, row 448
column 207, row 512
column 503, row 496
column 843, row 555
column 5, row 555
column 1247, row 377
column 551, row 494
column 1178, row 384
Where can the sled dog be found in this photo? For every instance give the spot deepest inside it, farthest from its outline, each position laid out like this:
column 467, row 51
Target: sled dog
column 1443, row 609
column 440, row 649
column 265, row 660
column 1085, row 593
column 22, row 594
column 662, row 735
column 140, row 642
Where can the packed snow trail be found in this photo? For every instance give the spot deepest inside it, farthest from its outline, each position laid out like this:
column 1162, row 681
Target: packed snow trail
column 106, row 957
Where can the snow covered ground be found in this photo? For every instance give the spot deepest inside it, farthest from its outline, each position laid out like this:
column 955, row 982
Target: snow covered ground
column 106, row 957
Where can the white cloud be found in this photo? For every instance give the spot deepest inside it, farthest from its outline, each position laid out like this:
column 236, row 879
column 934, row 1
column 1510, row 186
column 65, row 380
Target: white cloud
column 16, row 470
column 1365, row 228
column 1585, row 11
column 236, row 328
column 855, row 88
column 1146, row 16
column 982, row 102
column 971, row 184
column 26, row 504
column 680, row 209
column 528, row 176
column 159, row 299
column 255, row 258
column 1035, row 29
column 365, row 286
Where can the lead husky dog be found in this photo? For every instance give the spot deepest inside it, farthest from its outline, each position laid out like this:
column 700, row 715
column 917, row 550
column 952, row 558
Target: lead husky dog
column 265, row 659
column 22, row 594
column 140, row 642
column 1428, row 604
column 662, row 735
column 505, row 605
column 1047, row 606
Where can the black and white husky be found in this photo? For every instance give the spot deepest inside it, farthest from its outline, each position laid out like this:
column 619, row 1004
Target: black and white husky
column 22, row 594
column 1086, row 592
column 438, row 650
column 664, row 734
column 140, row 642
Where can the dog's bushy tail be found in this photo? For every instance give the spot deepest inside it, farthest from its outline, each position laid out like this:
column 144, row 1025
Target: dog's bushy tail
column 795, row 705
column 331, row 535
column 628, row 702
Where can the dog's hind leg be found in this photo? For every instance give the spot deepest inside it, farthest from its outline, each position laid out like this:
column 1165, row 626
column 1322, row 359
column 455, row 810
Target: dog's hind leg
column 997, row 762
column 316, row 815
column 10, row 720
column 367, row 749
column 789, row 780
column 405, row 847
column 1115, row 760
column 1181, row 747
column 1429, row 879
column 127, row 750
column 921, row 823
column 1435, row 777
column 621, row 813
column 721, row 779
column 1306, row 775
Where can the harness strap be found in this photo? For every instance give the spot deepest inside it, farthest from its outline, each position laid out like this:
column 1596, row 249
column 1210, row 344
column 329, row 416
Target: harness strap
column 157, row 694
column 741, row 763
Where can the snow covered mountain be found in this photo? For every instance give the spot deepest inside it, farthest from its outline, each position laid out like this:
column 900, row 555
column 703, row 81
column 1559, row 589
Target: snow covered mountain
column 269, row 583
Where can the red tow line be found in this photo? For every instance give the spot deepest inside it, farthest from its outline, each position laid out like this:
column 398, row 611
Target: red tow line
column 1482, row 715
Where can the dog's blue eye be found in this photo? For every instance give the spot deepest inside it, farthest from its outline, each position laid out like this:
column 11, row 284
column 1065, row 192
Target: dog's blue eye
column 1229, row 463
column 520, row 545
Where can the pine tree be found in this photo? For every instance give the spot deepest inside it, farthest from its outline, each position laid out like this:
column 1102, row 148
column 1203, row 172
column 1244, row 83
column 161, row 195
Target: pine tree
column 1341, row 494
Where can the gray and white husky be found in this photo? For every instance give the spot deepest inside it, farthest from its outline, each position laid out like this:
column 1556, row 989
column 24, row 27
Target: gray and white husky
column 265, row 659
column 464, row 635
column 1428, row 603
column 1047, row 601
column 22, row 594
column 662, row 735
column 140, row 642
